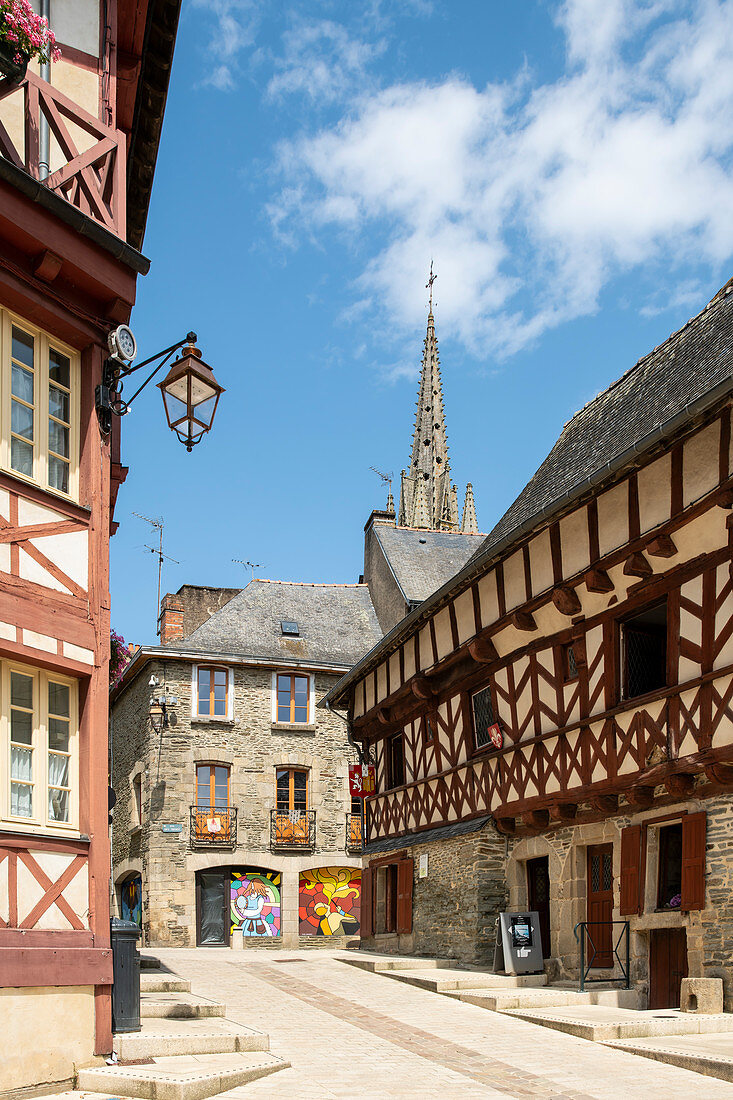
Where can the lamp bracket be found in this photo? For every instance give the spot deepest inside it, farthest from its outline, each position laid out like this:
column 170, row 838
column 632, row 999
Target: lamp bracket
column 108, row 398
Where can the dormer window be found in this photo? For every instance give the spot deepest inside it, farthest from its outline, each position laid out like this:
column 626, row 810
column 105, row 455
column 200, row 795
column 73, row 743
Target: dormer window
column 290, row 628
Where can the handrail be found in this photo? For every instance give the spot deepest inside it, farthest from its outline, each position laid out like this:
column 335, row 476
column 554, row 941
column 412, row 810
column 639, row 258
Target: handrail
column 293, row 829
column 584, row 970
column 214, row 826
column 354, row 839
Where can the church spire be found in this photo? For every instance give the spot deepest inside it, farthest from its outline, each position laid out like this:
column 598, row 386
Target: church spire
column 428, row 499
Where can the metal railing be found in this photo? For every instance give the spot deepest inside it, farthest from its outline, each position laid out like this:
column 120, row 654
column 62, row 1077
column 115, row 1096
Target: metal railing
column 595, row 951
column 354, row 842
column 293, row 829
column 213, row 827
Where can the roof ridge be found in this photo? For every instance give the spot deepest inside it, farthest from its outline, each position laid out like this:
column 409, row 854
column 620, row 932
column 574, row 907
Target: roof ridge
column 716, row 301
column 433, row 530
column 307, row 584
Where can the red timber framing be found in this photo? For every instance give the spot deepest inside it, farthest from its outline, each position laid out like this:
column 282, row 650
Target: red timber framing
column 69, row 263
column 570, row 747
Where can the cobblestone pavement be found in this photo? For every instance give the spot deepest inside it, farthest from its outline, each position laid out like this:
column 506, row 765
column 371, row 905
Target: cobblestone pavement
column 348, row 1034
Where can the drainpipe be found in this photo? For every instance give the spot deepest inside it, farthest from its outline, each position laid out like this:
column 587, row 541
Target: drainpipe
column 360, row 755
column 44, row 137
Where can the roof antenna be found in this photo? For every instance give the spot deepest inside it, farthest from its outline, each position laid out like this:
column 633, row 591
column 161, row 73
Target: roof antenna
column 386, row 480
column 157, row 525
column 251, row 565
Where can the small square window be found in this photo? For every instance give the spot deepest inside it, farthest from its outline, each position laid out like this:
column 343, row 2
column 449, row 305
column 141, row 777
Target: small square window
column 289, row 627
column 483, row 717
column 569, row 664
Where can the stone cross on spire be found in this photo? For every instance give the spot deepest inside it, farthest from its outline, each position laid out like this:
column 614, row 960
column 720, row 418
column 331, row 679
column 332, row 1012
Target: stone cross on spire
column 428, row 500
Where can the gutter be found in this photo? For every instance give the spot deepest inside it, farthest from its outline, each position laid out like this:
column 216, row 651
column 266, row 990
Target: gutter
column 37, row 192
column 476, row 565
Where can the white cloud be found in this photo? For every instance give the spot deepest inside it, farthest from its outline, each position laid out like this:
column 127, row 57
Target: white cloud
column 322, row 61
column 531, row 199
column 233, row 28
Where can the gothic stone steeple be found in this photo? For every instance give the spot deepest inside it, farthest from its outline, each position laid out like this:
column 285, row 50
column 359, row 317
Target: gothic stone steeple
column 428, row 500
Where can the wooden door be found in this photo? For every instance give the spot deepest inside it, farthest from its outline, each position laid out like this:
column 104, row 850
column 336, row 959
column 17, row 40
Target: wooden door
column 599, row 908
column 538, row 886
column 667, row 966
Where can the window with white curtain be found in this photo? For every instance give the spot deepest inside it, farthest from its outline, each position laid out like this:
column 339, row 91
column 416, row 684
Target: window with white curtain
column 38, row 719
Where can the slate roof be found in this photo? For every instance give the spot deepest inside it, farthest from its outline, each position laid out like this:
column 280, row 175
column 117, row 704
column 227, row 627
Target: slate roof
column 685, row 367
column 428, row 836
column 336, row 622
column 422, row 561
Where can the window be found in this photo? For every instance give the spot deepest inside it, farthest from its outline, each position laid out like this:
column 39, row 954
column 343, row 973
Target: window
column 428, row 730
column 137, row 796
column 292, row 705
column 39, row 717
column 644, row 651
column 569, row 664
column 212, row 786
column 212, row 692
column 669, row 885
column 395, row 761
column 292, row 790
column 287, row 626
column 39, row 394
column 483, row 717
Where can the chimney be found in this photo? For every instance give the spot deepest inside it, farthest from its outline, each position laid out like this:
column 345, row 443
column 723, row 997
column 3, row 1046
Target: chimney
column 171, row 619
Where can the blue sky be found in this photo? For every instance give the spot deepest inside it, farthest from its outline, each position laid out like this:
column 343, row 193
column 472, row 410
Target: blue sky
column 567, row 166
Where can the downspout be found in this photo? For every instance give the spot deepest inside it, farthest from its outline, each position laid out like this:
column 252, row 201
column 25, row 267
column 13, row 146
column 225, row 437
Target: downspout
column 360, row 755
column 44, row 137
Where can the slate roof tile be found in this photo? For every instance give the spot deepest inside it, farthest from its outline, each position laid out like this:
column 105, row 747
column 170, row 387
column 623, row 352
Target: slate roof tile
column 422, row 561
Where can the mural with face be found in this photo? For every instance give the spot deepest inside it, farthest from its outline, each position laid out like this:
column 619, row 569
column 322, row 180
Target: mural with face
column 255, row 902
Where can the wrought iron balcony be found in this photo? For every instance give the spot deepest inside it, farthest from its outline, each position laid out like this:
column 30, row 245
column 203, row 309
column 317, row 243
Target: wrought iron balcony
column 293, row 829
column 354, row 841
column 212, row 827
column 91, row 178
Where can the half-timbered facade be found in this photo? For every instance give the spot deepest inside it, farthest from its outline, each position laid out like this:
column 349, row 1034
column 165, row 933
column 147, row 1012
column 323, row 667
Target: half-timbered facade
column 553, row 727
column 78, row 144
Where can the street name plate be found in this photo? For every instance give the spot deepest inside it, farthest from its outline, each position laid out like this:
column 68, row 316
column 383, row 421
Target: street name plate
column 172, row 828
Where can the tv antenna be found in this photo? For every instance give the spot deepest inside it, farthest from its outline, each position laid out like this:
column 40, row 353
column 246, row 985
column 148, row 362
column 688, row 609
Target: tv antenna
column 157, row 525
column 251, row 565
column 387, row 482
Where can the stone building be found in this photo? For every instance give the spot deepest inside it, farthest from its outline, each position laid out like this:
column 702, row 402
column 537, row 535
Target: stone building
column 234, row 822
column 554, row 723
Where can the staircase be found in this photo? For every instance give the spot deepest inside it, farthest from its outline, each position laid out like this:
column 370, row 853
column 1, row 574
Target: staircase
column 185, row 1050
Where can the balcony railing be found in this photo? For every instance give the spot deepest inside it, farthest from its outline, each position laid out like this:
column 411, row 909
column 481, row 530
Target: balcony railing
column 293, row 829
column 212, row 827
column 91, row 178
column 353, row 833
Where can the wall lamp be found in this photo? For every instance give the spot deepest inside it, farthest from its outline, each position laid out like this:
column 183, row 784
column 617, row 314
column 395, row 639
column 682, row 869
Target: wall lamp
column 189, row 390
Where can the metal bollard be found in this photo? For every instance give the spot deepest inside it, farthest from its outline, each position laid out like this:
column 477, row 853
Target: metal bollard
column 125, row 975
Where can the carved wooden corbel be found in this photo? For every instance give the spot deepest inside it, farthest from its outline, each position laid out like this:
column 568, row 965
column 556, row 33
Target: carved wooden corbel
column 640, row 797
column 721, row 775
column 563, row 811
column 680, row 785
column 725, row 499
column 507, row 826
column 421, row 689
column 523, row 620
column 661, row 547
column 483, row 651
column 598, row 580
column 383, row 715
column 637, row 566
column 605, row 803
column 566, row 601
column 536, row 819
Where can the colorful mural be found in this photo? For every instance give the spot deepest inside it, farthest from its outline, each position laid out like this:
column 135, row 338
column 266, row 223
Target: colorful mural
column 329, row 901
column 131, row 900
column 255, row 904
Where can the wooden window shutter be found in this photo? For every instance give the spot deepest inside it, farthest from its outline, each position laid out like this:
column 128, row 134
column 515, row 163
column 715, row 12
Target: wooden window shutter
column 630, row 871
column 405, row 872
column 366, row 913
column 693, row 861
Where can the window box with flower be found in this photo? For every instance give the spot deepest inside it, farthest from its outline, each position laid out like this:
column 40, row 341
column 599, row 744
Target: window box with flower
column 24, row 36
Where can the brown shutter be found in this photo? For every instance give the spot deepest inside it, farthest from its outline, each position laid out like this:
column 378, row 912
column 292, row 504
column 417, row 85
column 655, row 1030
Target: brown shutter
column 630, row 871
column 693, row 861
column 366, row 911
column 405, row 871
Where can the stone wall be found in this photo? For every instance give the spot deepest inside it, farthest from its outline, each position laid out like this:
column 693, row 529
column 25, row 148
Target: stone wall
column 455, row 906
column 192, row 605
column 253, row 747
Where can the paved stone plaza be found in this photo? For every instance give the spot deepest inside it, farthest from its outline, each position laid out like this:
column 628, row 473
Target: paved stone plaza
column 348, row 1033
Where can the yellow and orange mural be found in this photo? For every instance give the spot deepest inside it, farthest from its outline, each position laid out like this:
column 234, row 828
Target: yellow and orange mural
column 329, row 901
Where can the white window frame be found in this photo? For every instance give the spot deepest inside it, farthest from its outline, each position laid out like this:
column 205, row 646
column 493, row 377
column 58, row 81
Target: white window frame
column 43, row 344
column 40, row 818
column 311, row 697
column 229, row 716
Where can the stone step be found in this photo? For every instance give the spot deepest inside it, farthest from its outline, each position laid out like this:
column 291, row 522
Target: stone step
column 503, row 1000
column 180, row 1006
column 601, row 1023
column 180, row 1078
column 163, row 982
column 444, row 980
column 709, row 1054
column 378, row 964
column 164, row 1036
column 149, row 962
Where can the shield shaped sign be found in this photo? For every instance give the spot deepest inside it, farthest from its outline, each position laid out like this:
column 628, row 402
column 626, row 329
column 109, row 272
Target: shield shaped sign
column 497, row 737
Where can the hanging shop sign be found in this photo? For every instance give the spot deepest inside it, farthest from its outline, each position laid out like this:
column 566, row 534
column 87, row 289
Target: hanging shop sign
column 497, row 737
column 362, row 780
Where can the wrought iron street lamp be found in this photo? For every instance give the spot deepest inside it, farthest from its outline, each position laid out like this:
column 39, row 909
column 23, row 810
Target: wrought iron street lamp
column 190, row 391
